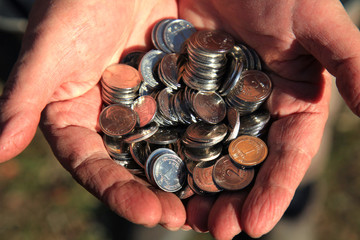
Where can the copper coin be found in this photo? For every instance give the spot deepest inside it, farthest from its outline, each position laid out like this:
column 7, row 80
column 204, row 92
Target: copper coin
column 248, row 151
column 121, row 76
column 145, row 107
column 230, row 177
column 117, row 120
column 202, row 175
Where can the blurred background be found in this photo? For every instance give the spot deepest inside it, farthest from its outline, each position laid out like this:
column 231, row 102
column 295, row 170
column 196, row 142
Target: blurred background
column 40, row 200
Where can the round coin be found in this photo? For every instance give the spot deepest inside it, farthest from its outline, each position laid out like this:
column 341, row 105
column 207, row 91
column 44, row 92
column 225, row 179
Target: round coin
column 202, row 175
column 145, row 107
column 248, row 151
column 230, row 177
column 169, row 172
column 209, row 106
column 121, row 76
column 256, row 86
column 117, row 120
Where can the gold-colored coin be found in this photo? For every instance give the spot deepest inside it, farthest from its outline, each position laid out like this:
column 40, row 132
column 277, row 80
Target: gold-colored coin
column 248, row 151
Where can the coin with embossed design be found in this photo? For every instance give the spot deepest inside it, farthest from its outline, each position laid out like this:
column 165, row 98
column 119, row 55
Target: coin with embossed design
column 230, row 177
column 202, row 175
column 117, row 120
column 248, row 151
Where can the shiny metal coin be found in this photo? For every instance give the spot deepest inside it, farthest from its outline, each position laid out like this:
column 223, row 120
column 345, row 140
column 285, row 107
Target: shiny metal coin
column 117, row 120
column 147, row 66
column 140, row 134
column 146, row 108
column 140, row 152
column 228, row 176
column 176, row 33
column 203, row 178
column 169, row 172
column 209, row 106
column 206, row 133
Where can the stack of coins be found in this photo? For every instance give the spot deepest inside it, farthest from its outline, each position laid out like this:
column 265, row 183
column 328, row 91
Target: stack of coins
column 206, row 65
column 165, row 169
column 193, row 125
column 201, row 141
column 169, row 35
column 120, row 83
column 254, row 124
column 250, row 92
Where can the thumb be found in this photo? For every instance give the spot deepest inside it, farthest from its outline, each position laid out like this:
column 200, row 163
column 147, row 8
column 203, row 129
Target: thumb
column 21, row 103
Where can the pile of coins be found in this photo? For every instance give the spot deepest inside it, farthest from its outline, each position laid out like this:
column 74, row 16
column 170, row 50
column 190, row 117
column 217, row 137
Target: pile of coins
column 188, row 115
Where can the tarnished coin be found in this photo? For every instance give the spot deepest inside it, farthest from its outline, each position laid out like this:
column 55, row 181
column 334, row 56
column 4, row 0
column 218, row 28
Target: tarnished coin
column 169, row 172
column 202, row 176
column 209, row 106
column 248, row 151
column 117, row 120
column 145, row 107
column 121, row 76
column 230, row 177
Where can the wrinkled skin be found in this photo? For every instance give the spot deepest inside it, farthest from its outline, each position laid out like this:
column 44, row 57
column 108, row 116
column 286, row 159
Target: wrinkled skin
column 69, row 43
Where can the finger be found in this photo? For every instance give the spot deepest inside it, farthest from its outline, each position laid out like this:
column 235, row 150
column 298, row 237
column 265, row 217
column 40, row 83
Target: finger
column 81, row 151
column 198, row 210
column 292, row 142
column 224, row 218
column 23, row 99
column 335, row 41
column 173, row 212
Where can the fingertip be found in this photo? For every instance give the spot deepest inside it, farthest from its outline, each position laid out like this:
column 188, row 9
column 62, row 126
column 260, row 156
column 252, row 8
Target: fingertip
column 173, row 210
column 135, row 202
column 16, row 132
column 198, row 209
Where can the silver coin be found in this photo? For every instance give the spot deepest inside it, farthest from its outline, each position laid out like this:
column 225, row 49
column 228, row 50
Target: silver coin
column 168, row 71
column 133, row 59
column 209, row 106
column 147, row 65
column 233, row 119
column 165, row 135
column 150, row 160
column 214, row 41
column 159, row 35
column 176, row 33
column 169, row 172
column 140, row 152
column 143, row 133
column 203, row 154
column 204, row 132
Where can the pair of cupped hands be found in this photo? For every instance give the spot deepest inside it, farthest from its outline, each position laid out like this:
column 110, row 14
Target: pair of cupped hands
column 69, row 43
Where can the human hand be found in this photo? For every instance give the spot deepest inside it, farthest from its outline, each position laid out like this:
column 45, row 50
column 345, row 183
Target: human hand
column 67, row 49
